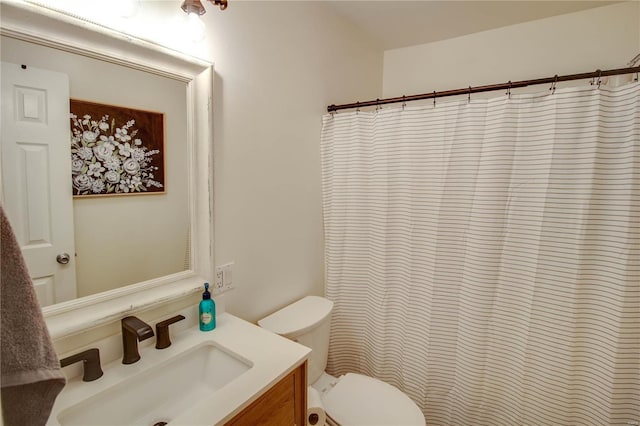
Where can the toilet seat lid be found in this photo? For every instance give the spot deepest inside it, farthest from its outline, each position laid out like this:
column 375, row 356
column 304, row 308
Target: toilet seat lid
column 361, row 400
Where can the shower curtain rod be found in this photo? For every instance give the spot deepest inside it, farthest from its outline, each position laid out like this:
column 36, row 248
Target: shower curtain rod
column 503, row 86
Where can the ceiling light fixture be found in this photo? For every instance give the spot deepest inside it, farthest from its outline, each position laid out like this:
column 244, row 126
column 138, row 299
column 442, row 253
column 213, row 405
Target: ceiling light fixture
column 194, row 10
column 195, row 6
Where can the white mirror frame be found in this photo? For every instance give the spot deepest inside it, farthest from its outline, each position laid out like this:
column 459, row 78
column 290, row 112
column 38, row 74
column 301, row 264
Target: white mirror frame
column 39, row 25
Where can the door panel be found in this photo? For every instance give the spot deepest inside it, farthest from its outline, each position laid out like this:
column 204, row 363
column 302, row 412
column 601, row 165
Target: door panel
column 36, row 175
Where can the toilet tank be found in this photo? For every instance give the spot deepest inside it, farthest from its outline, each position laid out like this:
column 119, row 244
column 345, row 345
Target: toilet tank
column 307, row 322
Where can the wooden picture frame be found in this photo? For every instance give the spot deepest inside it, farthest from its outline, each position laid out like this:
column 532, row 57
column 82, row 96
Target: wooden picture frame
column 116, row 150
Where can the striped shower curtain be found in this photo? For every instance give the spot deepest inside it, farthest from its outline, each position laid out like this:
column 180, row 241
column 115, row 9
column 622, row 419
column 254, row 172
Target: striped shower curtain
column 484, row 257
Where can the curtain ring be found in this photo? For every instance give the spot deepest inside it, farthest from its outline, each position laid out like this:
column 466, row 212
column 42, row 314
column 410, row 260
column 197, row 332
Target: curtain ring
column 599, row 80
column 553, row 84
column 509, row 90
column 469, row 96
column 357, row 107
column 434, row 98
column 404, row 104
column 377, row 104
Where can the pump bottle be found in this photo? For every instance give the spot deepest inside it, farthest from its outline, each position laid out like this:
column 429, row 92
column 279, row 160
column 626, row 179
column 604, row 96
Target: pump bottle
column 207, row 311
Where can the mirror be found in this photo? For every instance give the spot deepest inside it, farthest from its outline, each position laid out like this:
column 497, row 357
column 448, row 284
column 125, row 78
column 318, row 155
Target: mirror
column 154, row 246
column 129, row 237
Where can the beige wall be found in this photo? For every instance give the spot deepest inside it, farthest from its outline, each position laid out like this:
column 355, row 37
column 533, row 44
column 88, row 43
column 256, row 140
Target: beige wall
column 122, row 240
column 601, row 38
column 278, row 65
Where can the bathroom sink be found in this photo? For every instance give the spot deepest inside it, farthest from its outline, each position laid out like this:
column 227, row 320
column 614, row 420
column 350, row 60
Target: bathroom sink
column 161, row 393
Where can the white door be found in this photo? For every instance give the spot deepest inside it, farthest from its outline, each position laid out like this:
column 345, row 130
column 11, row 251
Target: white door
column 36, row 176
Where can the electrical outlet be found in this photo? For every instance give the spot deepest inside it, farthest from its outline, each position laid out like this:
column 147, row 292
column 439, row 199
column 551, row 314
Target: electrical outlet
column 219, row 279
column 224, row 278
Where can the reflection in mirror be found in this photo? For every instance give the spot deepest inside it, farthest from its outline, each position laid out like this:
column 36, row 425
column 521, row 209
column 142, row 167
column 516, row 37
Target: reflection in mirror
column 121, row 239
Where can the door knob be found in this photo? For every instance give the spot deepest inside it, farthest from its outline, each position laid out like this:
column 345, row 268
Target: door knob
column 63, row 258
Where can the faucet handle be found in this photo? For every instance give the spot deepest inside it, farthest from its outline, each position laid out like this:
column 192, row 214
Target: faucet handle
column 163, row 339
column 91, row 363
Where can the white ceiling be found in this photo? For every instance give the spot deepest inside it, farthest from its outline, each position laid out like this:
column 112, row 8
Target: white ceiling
column 399, row 23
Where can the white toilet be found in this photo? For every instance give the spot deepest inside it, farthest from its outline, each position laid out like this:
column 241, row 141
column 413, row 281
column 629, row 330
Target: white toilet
column 351, row 399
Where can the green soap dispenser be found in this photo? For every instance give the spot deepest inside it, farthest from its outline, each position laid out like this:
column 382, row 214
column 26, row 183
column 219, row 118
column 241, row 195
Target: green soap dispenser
column 207, row 310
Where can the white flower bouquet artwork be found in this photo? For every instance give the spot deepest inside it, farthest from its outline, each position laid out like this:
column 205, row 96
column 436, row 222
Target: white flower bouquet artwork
column 116, row 150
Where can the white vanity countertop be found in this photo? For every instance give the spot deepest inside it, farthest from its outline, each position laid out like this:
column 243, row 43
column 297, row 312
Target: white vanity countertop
column 272, row 357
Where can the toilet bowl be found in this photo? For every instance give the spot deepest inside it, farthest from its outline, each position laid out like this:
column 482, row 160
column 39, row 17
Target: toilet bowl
column 349, row 400
column 356, row 399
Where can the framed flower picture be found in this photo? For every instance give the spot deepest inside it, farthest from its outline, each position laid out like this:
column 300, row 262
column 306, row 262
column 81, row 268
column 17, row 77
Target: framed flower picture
column 116, row 150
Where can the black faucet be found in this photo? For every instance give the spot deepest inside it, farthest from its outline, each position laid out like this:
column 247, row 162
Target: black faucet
column 133, row 330
column 90, row 363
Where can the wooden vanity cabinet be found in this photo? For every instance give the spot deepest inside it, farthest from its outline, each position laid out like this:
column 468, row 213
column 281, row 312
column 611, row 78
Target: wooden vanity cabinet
column 284, row 404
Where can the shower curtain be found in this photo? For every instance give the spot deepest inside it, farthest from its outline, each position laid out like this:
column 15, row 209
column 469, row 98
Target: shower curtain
column 484, row 256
